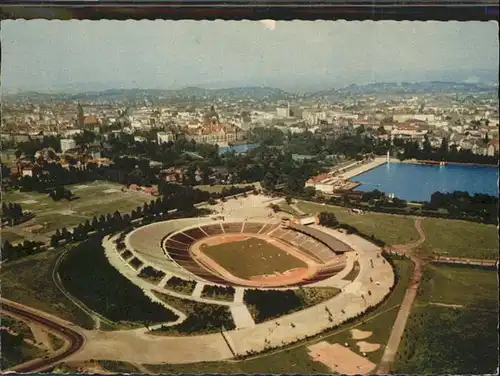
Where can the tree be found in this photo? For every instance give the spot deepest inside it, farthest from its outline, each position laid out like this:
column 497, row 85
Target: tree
column 275, row 208
column 328, row 219
column 54, row 241
column 288, row 200
column 427, row 145
column 444, row 145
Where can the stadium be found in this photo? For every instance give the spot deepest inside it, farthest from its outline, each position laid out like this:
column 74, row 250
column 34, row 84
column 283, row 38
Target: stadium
column 220, row 252
column 245, row 258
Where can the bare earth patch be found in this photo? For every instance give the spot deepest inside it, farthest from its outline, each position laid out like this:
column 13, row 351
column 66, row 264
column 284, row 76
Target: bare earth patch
column 41, row 336
column 340, row 359
column 367, row 347
column 111, row 190
column 29, row 202
column 33, row 228
column 360, row 334
column 67, row 212
column 447, row 305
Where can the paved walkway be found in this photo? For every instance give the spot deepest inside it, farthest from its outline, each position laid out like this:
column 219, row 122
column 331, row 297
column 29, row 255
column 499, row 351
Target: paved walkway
column 241, row 316
column 141, row 347
column 239, row 292
column 405, row 308
column 198, row 290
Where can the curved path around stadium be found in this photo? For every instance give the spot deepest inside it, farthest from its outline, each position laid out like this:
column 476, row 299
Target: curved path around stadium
column 372, row 285
column 74, row 338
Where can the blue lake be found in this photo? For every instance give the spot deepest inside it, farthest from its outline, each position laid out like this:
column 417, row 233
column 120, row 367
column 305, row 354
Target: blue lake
column 414, row 182
column 237, row 148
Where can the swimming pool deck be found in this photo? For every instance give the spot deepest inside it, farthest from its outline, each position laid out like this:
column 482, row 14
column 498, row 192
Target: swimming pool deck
column 358, row 170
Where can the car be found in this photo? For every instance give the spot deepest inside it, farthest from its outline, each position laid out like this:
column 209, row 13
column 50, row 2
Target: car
column 377, row 283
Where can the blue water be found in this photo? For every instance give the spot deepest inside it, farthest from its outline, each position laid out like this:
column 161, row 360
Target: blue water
column 238, row 148
column 414, row 182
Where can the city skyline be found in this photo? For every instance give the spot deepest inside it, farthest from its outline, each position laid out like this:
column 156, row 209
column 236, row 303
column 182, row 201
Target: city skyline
column 298, row 55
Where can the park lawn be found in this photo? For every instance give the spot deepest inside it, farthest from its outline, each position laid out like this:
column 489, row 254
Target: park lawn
column 92, row 199
column 381, row 320
column 201, row 318
column 29, row 281
column 12, row 237
column 8, row 156
column 118, row 367
column 24, row 352
column 456, row 238
column 53, row 221
column 392, row 229
column 461, row 285
column 295, row 358
column 217, row 188
column 18, row 326
column 459, row 339
column 287, row 208
column 252, row 257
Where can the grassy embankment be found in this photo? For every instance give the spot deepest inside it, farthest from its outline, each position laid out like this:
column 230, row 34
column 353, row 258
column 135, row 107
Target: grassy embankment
column 453, row 325
column 295, row 359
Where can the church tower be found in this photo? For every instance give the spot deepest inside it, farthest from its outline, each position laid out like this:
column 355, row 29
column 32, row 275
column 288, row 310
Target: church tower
column 80, row 116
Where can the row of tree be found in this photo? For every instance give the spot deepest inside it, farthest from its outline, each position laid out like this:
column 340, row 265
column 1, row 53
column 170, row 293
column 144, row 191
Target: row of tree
column 445, row 152
column 174, row 197
column 12, row 213
column 27, row 248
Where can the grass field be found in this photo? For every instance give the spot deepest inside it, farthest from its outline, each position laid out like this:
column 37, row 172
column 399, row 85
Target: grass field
column 29, row 281
column 18, row 326
column 16, row 352
column 94, row 199
column 453, row 325
column 287, row 208
column 295, row 359
column 392, row 229
column 118, row 367
column 460, row 238
column 8, row 156
column 201, row 318
column 252, row 257
column 6, row 235
column 218, row 187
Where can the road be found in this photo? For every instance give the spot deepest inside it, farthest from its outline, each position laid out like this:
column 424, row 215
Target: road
column 75, row 340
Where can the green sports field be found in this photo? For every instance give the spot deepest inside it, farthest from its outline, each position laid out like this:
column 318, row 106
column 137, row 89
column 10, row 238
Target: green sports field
column 252, row 257
column 92, row 199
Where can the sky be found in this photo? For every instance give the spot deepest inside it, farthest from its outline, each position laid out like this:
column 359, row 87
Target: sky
column 296, row 55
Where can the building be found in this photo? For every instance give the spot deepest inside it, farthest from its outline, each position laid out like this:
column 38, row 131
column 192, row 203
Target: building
column 304, row 220
column 164, row 137
column 221, row 135
column 283, row 111
column 67, row 144
column 492, row 149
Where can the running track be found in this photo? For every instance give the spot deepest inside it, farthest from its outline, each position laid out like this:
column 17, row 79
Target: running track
column 74, row 338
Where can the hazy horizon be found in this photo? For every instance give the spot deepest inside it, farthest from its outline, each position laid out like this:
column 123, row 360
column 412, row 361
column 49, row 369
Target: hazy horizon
column 50, row 56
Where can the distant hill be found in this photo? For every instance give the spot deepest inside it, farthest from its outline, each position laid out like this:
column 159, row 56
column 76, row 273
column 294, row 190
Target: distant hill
column 256, row 92
column 407, row 87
